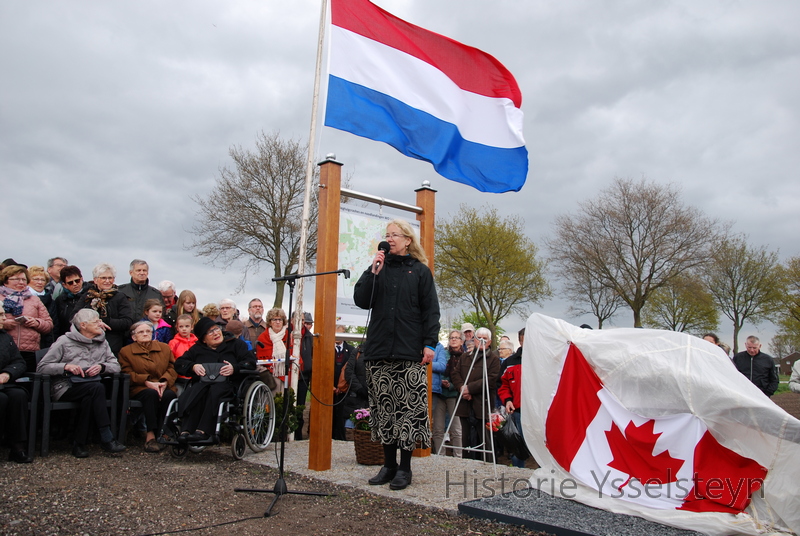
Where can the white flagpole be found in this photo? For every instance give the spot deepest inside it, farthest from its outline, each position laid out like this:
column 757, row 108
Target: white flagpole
column 301, row 264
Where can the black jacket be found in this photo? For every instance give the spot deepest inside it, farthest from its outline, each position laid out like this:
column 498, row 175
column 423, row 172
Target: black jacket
column 356, row 374
column 405, row 309
column 137, row 295
column 118, row 316
column 64, row 309
column 759, row 369
column 233, row 350
column 307, row 350
column 348, row 354
column 11, row 360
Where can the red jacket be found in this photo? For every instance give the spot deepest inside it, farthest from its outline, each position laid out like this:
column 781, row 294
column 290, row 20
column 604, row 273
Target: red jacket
column 179, row 344
column 264, row 352
column 511, row 382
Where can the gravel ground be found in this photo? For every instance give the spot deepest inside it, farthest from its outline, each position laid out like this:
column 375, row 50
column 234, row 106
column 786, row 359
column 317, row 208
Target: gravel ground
column 138, row 493
column 141, row 494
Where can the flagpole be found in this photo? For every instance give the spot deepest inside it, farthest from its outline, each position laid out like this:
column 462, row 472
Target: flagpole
column 301, row 264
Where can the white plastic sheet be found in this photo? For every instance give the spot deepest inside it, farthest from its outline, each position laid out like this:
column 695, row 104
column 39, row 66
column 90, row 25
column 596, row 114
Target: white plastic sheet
column 657, row 373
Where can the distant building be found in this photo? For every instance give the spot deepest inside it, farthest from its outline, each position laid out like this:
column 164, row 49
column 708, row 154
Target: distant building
column 785, row 363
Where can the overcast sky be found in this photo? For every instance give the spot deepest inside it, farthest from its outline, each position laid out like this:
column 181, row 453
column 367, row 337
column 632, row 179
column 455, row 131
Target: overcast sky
column 113, row 113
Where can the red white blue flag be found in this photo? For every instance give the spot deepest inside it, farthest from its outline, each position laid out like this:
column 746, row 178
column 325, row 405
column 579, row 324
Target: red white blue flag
column 428, row 96
column 656, row 424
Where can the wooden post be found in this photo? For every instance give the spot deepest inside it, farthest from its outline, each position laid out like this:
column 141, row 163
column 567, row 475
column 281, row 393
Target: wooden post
column 321, row 420
column 426, row 200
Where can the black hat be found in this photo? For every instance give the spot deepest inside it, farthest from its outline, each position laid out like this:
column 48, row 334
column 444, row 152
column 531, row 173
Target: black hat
column 11, row 262
column 202, row 327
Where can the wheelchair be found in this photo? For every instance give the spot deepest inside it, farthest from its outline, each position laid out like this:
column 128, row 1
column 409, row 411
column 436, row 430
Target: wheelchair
column 250, row 414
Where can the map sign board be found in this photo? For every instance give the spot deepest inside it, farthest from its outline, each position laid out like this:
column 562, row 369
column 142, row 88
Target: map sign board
column 360, row 232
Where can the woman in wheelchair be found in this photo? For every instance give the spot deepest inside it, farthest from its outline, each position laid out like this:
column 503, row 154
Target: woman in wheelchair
column 210, row 363
column 149, row 364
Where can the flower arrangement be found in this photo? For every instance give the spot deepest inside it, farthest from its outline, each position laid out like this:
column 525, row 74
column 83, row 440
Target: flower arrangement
column 496, row 422
column 361, row 419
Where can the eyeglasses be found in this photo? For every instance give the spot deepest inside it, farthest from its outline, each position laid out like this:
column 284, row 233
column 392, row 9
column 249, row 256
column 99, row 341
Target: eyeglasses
column 225, row 308
column 214, row 330
column 277, row 320
column 455, row 338
column 395, row 236
column 105, row 278
column 73, row 282
column 143, row 332
column 23, row 278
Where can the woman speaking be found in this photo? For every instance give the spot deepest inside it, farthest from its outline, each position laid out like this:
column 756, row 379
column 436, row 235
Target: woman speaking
column 403, row 332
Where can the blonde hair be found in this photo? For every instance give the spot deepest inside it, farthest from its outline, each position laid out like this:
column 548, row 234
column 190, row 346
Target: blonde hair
column 38, row 270
column 183, row 297
column 414, row 248
column 11, row 271
column 210, row 310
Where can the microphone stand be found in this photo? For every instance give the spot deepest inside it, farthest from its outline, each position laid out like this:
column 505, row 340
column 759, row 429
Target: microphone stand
column 280, row 487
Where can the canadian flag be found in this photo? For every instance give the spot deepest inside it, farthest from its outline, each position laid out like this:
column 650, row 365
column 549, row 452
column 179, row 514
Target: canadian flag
column 665, row 462
column 656, row 424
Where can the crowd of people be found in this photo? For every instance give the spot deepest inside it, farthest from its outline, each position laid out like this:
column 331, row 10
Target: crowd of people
column 78, row 331
column 55, row 322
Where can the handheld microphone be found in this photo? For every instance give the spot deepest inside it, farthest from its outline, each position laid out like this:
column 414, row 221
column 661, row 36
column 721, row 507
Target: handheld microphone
column 385, row 247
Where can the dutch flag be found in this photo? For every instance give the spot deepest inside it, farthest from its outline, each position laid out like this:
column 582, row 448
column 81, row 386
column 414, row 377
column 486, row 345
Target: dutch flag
column 429, row 97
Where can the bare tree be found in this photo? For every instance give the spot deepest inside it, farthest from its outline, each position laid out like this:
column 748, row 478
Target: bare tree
column 588, row 296
column 782, row 345
column 254, row 211
column 746, row 282
column 635, row 238
column 488, row 263
column 682, row 305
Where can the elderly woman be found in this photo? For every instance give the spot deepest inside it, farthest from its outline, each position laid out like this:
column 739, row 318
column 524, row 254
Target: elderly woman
column 211, row 311
column 445, row 393
column 274, row 343
column 103, row 296
column 199, row 402
column 13, row 399
column 39, row 279
column 76, row 360
column 27, row 318
column 472, row 384
column 149, row 364
column 403, row 333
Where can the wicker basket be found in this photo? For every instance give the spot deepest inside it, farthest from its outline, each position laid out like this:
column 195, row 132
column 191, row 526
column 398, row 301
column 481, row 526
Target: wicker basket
column 368, row 452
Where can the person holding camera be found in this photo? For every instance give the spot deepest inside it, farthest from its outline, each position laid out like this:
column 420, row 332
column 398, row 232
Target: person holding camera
column 27, row 319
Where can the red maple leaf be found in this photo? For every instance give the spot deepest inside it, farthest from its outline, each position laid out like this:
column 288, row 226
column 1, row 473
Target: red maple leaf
column 633, row 455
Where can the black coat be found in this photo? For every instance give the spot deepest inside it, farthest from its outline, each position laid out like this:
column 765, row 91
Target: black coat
column 137, row 295
column 307, row 351
column 64, row 309
column 349, row 355
column 11, row 360
column 759, row 369
column 405, row 309
column 233, row 350
column 118, row 316
column 356, row 375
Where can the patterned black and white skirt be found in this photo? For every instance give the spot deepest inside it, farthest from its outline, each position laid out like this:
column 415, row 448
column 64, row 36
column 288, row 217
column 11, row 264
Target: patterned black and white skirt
column 398, row 403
